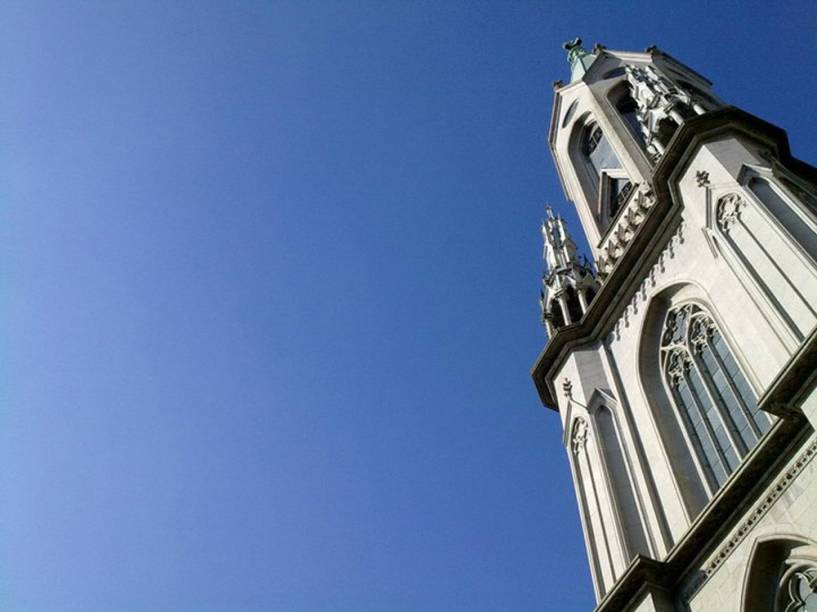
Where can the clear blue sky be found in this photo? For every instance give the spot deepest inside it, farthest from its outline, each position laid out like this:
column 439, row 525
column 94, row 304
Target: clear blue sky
column 269, row 295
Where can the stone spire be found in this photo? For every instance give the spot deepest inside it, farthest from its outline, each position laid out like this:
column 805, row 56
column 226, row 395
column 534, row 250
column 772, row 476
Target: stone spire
column 579, row 58
column 560, row 250
column 568, row 284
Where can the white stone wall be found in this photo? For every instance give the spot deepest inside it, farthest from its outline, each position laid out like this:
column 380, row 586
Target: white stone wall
column 662, row 473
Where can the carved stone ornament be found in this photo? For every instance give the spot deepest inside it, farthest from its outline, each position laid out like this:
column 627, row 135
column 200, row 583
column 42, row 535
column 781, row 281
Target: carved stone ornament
column 670, row 327
column 626, row 226
column 678, row 365
column 660, row 104
column 567, row 388
column 728, row 210
column 701, row 332
column 579, row 436
column 702, row 178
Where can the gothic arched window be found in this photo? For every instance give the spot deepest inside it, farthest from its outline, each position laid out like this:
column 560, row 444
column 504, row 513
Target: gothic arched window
column 712, row 396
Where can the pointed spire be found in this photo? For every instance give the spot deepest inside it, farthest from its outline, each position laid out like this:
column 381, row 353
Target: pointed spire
column 559, row 248
column 579, row 58
column 568, row 283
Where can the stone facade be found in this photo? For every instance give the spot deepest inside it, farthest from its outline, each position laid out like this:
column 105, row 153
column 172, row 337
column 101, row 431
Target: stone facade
column 684, row 375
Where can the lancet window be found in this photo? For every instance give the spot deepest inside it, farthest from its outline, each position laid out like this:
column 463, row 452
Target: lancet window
column 606, row 171
column 712, row 396
column 598, row 151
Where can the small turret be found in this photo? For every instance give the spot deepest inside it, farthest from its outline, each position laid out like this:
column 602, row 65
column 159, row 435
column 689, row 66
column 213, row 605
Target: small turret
column 568, row 284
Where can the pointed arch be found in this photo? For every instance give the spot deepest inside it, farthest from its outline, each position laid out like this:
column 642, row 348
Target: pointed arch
column 604, row 411
column 574, row 308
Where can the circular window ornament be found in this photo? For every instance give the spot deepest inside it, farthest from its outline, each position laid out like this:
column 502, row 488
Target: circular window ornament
column 799, row 590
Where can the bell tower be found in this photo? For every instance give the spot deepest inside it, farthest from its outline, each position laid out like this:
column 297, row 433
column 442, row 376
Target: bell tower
column 682, row 362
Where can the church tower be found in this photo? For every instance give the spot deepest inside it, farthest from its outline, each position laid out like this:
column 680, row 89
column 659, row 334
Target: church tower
column 683, row 361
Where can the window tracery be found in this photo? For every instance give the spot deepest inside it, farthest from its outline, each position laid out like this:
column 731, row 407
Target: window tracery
column 798, row 590
column 712, row 396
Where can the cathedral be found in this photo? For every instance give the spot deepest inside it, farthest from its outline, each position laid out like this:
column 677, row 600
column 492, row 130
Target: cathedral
column 682, row 360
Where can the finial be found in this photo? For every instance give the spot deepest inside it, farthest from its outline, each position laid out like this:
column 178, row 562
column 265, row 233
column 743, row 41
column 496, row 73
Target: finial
column 574, row 49
column 549, row 211
column 578, row 57
column 572, row 44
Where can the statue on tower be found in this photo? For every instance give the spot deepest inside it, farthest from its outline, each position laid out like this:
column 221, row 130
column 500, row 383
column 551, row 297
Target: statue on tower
column 579, row 58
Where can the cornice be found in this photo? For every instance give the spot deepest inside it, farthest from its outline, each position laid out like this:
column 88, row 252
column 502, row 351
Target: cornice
column 798, row 377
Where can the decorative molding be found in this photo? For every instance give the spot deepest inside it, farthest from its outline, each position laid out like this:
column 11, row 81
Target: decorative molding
column 624, row 228
column 650, row 281
column 767, row 155
column 740, row 533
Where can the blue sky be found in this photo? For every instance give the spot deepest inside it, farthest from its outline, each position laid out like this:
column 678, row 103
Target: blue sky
column 269, row 294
